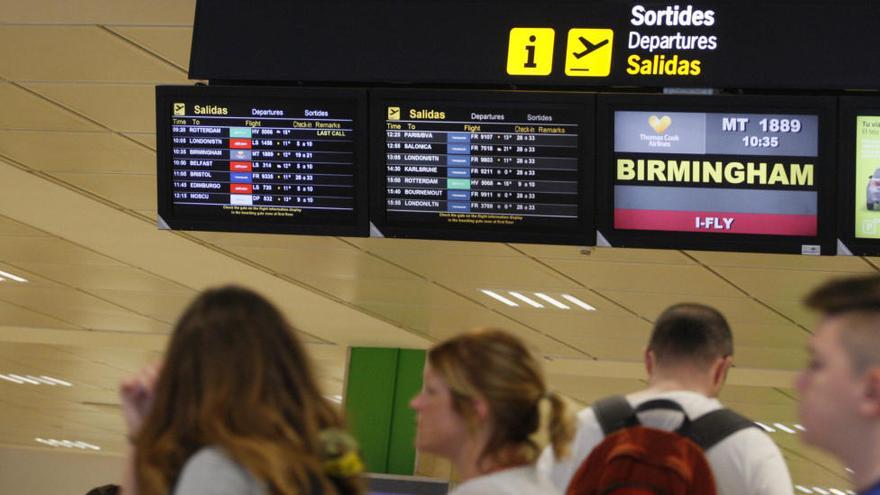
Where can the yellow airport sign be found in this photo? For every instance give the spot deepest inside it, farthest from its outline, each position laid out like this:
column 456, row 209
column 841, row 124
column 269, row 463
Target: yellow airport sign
column 588, row 52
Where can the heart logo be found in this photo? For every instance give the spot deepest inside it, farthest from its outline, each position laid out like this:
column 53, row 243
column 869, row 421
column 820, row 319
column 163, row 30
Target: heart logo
column 659, row 125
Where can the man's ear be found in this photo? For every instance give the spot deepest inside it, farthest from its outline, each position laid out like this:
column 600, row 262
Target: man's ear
column 719, row 374
column 721, row 371
column 871, row 400
column 650, row 362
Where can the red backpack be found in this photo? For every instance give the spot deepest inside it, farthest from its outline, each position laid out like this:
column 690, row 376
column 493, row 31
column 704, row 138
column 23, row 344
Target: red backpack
column 635, row 460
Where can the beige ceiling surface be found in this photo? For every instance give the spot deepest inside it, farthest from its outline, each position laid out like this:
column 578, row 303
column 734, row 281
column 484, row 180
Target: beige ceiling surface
column 77, row 219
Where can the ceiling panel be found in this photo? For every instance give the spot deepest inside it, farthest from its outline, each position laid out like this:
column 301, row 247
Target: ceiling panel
column 742, row 394
column 410, row 291
column 622, row 255
column 509, row 272
column 765, row 283
column 781, row 261
column 147, row 139
column 610, row 338
column 89, row 152
column 441, row 322
column 590, row 389
column 549, row 312
column 103, row 367
column 737, row 310
column 103, row 102
column 114, row 277
column 336, row 263
column 769, row 358
column 278, row 241
column 49, row 250
column 614, row 349
column 77, row 53
column 133, row 191
column 795, row 311
column 428, row 247
column 10, row 227
column 24, row 110
column 756, row 411
column 163, row 306
column 59, row 298
column 94, row 371
column 170, row 43
column 91, row 319
column 644, row 277
column 14, row 315
column 581, row 327
column 783, row 335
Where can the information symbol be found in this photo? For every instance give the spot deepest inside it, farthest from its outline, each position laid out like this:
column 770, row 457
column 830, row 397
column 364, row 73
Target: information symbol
column 530, row 58
column 530, row 51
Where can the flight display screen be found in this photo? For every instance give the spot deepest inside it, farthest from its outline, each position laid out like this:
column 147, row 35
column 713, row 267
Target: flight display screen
column 717, row 171
column 262, row 159
column 484, row 166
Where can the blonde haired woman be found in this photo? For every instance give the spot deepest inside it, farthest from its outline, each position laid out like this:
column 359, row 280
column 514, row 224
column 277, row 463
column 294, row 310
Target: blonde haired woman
column 480, row 406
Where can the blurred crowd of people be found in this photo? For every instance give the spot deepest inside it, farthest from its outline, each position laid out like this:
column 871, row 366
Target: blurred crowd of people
column 234, row 408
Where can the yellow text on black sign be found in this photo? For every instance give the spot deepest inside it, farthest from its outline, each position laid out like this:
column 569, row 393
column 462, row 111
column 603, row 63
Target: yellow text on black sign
column 716, row 172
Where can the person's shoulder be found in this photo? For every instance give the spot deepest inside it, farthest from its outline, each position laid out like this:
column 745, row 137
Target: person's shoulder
column 752, row 441
column 212, row 467
column 210, row 457
column 514, row 481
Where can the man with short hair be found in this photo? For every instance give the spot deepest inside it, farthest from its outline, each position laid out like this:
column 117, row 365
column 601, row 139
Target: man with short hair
column 840, row 388
column 687, row 358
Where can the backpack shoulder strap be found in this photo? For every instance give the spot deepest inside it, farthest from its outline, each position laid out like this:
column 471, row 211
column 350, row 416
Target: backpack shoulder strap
column 713, row 427
column 614, row 413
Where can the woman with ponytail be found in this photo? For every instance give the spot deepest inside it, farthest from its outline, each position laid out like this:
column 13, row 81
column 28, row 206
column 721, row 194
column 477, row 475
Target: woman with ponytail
column 234, row 409
column 482, row 405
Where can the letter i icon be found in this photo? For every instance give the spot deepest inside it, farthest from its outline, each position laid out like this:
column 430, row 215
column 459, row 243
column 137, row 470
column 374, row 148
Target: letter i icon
column 530, row 51
column 530, row 58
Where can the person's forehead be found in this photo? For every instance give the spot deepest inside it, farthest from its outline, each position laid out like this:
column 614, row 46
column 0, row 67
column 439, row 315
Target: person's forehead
column 431, row 375
column 827, row 334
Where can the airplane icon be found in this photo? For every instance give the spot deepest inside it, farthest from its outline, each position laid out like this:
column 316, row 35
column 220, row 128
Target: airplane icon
column 598, row 64
column 588, row 47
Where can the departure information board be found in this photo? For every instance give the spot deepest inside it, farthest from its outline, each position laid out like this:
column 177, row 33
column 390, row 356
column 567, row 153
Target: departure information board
column 273, row 160
column 483, row 166
column 735, row 171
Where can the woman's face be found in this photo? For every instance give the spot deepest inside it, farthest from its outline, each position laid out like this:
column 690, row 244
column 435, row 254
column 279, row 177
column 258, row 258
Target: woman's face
column 440, row 430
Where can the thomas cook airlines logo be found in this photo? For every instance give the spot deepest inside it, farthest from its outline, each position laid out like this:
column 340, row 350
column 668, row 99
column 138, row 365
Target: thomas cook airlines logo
column 659, row 124
column 660, row 138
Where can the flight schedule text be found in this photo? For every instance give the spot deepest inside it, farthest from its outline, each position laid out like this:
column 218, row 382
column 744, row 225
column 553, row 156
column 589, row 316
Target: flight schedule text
column 282, row 159
column 450, row 163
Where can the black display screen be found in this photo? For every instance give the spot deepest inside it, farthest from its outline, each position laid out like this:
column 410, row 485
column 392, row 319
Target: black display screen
column 262, row 159
column 495, row 166
column 720, row 172
column 385, row 484
column 781, row 44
